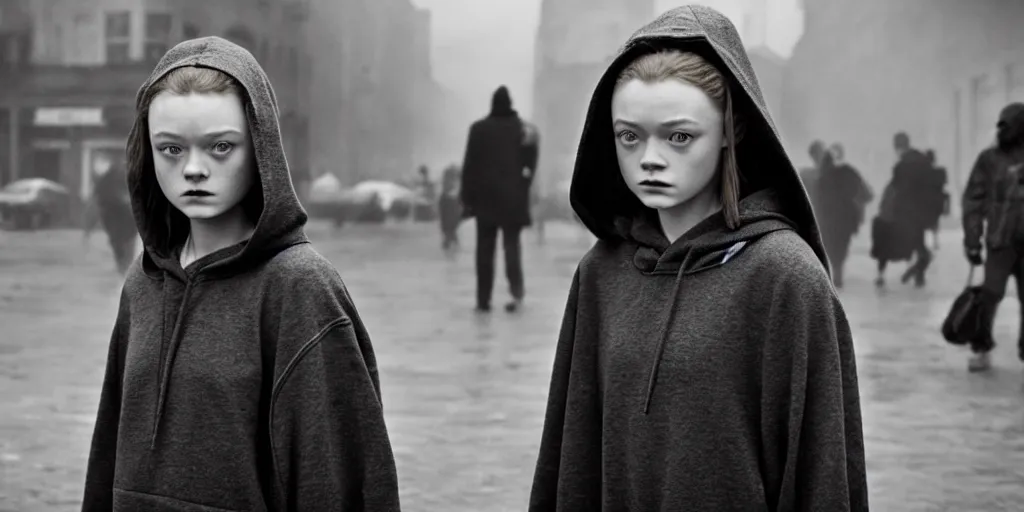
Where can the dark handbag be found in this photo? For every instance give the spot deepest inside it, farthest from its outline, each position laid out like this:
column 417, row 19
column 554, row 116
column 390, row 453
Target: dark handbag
column 964, row 323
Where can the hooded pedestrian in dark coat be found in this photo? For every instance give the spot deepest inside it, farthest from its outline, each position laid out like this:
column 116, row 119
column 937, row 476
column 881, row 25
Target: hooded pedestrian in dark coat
column 497, row 172
column 704, row 361
column 239, row 374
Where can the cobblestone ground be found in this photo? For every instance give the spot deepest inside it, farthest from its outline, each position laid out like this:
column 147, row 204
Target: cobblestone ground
column 464, row 395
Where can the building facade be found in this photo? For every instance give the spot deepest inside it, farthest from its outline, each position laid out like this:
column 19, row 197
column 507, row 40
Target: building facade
column 938, row 69
column 770, row 68
column 372, row 58
column 71, row 70
column 576, row 42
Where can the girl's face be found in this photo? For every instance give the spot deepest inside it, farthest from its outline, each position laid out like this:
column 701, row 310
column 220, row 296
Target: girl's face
column 668, row 138
column 202, row 152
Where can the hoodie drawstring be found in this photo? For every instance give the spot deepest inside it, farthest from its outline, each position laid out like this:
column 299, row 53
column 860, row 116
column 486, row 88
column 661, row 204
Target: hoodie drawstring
column 168, row 362
column 663, row 338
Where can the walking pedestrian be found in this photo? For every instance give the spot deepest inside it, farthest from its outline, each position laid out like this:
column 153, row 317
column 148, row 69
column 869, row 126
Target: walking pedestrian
column 704, row 361
column 841, row 196
column 239, row 374
column 993, row 219
column 911, row 179
column 809, row 175
column 892, row 237
column 498, row 169
column 110, row 206
column 450, row 208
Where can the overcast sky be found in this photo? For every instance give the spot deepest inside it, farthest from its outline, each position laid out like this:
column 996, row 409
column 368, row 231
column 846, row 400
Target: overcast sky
column 480, row 44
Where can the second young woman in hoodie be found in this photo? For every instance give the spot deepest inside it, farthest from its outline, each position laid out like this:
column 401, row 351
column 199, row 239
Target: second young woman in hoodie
column 704, row 362
column 239, row 375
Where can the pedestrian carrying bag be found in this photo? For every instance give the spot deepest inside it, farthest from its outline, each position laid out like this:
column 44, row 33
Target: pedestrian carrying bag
column 964, row 322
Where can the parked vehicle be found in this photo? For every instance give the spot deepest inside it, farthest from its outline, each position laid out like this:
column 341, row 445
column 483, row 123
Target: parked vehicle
column 368, row 201
column 33, row 203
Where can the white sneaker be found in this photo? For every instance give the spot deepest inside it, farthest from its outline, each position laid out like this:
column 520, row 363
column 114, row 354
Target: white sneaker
column 979, row 362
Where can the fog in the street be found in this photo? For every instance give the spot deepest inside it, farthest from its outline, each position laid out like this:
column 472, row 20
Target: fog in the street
column 423, row 251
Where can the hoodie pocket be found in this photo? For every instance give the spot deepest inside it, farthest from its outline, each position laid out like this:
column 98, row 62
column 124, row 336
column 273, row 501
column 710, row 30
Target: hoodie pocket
column 134, row 500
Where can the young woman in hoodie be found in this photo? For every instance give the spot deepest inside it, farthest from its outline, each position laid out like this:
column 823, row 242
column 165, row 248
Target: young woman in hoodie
column 704, row 361
column 239, row 375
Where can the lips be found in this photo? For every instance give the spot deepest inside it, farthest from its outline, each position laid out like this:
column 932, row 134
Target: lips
column 655, row 183
column 197, row 193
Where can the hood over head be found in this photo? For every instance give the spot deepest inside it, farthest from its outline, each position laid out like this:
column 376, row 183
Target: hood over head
column 609, row 209
column 163, row 227
column 1010, row 128
column 501, row 102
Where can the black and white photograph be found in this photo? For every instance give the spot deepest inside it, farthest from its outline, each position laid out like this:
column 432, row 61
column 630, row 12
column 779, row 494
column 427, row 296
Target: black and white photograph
column 511, row 255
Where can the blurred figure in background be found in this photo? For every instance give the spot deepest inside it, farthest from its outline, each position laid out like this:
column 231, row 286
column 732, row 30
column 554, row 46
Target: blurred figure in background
column 888, row 244
column 110, row 207
column 425, row 184
column 910, row 181
column 839, row 196
column 809, row 175
column 993, row 215
column 937, row 197
column 450, row 208
column 497, row 172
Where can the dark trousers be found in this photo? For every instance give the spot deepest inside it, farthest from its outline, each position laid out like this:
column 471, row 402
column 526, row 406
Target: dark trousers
column 1000, row 264
column 486, row 247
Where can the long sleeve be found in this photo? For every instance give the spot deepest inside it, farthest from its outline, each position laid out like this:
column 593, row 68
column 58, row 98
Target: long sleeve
column 469, row 189
column 974, row 202
column 569, row 407
column 99, row 476
column 811, row 415
column 329, row 441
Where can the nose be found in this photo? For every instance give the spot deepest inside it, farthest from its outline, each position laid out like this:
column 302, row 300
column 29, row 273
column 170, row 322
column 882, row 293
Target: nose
column 652, row 160
column 195, row 170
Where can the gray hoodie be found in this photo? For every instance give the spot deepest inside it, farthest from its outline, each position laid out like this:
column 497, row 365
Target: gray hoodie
column 246, row 382
column 714, row 373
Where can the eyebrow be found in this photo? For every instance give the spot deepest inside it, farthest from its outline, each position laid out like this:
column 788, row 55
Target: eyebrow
column 218, row 133
column 670, row 122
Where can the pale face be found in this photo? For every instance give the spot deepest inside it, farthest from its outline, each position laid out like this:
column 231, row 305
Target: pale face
column 668, row 138
column 202, row 152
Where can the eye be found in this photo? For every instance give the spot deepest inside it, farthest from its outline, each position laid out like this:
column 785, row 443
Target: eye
column 171, row 150
column 679, row 137
column 223, row 148
column 627, row 137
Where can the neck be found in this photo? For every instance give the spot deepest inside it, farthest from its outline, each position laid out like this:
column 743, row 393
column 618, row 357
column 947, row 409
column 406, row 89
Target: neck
column 679, row 219
column 211, row 235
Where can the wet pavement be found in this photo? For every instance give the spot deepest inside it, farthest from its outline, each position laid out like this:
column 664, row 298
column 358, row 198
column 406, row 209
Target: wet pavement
column 464, row 394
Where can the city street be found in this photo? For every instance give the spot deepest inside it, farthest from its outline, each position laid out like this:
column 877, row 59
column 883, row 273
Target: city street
column 464, row 394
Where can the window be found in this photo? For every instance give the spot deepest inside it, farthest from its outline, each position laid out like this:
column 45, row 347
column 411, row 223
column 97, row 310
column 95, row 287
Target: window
column 118, row 35
column 13, row 49
column 158, row 35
